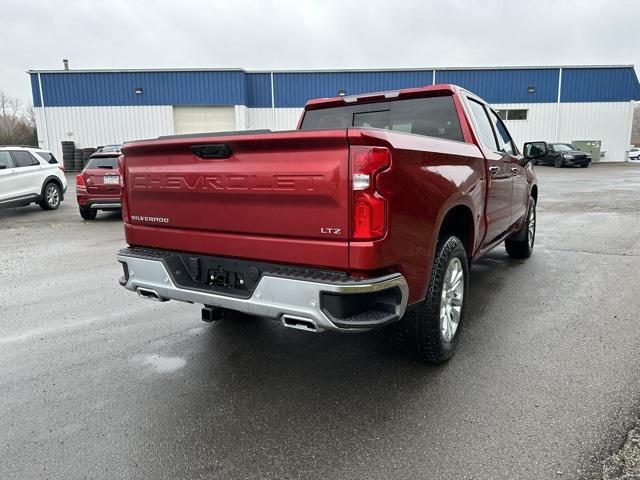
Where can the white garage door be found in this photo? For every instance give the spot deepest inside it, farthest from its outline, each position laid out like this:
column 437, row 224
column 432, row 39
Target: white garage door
column 204, row 119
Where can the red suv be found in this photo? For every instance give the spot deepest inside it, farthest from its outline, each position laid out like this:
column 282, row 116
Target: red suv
column 98, row 185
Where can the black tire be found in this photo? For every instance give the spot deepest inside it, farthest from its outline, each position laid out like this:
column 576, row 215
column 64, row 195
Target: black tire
column 420, row 332
column 521, row 244
column 584, row 166
column 534, row 161
column 558, row 162
column 51, row 196
column 88, row 214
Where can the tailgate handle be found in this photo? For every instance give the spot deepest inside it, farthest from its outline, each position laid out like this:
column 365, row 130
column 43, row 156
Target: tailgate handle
column 212, row 152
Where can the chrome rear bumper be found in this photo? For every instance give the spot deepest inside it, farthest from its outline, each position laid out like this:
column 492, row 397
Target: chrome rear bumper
column 297, row 303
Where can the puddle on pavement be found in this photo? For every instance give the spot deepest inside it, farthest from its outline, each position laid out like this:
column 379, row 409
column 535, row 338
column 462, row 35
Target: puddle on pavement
column 161, row 364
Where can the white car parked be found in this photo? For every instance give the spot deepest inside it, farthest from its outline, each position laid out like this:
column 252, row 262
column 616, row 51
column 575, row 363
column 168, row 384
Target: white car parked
column 30, row 175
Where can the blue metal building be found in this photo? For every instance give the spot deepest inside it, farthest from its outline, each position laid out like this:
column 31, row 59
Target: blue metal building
column 110, row 106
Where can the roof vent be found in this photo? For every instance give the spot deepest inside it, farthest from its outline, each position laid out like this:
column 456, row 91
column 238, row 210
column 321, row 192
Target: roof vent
column 65, row 63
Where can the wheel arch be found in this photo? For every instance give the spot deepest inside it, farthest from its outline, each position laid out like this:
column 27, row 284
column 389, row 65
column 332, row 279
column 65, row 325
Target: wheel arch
column 57, row 181
column 458, row 221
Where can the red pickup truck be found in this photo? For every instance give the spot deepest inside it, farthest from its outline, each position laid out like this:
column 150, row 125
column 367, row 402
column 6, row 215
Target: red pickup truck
column 368, row 215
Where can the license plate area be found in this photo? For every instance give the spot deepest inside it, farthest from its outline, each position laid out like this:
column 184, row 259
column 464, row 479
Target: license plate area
column 111, row 179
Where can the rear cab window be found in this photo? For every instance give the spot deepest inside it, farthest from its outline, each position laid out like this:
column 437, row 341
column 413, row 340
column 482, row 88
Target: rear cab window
column 431, row 116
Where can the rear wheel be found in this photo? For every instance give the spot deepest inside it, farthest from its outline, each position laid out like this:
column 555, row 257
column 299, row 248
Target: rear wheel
column 51, row 197
column 521, row 244
column 430, row 332
column 88, row 214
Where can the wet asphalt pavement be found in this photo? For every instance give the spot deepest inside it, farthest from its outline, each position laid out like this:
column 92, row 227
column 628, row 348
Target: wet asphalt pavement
column 98, row 383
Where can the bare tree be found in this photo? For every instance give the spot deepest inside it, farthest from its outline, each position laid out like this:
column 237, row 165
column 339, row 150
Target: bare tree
column 17, row 124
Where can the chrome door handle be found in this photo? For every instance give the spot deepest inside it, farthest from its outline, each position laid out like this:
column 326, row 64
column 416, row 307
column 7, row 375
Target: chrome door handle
column 494, row 170
column 514, row 170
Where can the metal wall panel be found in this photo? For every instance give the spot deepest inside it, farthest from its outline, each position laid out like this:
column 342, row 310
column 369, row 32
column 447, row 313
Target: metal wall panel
column 609, row 122
column 599, row 85
column 258, row 90
column 285, row 118
column 295, row 89
column 506, row 86
column 93, row 126
column 539, row 125
column 183, row 88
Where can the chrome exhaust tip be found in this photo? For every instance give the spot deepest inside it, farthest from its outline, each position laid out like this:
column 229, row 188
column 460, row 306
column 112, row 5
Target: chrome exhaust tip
column 299, row 323
column 150, row 294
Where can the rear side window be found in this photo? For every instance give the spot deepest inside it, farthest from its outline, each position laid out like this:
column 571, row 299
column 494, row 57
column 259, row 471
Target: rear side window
column 5, row 159
column 24, row 159
column 485, row 131
column 432, row 117
column 505, row 143
column 48, row 157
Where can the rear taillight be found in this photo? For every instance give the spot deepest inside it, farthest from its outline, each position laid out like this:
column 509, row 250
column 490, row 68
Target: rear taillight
column 123, row 190
column 369, row 208
column 80, row 181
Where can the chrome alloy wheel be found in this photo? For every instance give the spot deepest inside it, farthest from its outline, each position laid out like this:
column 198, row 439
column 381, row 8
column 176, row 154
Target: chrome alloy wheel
column 451, row 301
column 531, row 225
column 53, row 196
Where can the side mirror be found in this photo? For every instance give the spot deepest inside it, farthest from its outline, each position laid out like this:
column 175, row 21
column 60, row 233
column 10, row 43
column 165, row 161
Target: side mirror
column 533, row 150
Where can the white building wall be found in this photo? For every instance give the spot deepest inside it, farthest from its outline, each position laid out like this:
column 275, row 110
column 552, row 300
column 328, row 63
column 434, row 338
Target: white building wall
column 609, row 122
column 93, row 126
column 539, row 125
column 285, row 118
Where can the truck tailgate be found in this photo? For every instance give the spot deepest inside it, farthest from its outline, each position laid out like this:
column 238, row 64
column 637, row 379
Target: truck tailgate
column 261, row 196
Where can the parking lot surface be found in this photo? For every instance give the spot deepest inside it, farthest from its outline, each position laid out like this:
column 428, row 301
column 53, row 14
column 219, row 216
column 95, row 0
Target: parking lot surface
column 98, row 383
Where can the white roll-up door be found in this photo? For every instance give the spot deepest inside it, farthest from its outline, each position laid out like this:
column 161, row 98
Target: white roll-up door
column 204, row 119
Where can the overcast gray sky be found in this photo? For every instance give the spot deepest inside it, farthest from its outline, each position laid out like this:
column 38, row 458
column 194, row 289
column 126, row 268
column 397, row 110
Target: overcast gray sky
column 300, row 34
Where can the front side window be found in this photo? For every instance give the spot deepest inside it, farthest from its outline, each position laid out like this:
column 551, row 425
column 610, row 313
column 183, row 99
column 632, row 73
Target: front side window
column 24, row 159
column 5, row 159
column 431, row 117
column 505, row 144
column 485, row 131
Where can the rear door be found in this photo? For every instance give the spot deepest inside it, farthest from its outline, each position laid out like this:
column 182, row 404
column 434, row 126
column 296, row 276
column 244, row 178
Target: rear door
column 102, row 177
column 27, row 174
column 499, row 175
column 8, row 187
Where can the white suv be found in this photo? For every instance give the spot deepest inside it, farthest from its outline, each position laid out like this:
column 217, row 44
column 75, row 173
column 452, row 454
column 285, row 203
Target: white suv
column 30, row 175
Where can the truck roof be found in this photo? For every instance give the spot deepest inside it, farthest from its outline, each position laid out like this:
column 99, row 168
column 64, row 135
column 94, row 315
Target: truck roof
column 427, row 90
